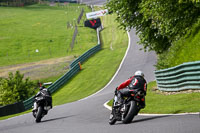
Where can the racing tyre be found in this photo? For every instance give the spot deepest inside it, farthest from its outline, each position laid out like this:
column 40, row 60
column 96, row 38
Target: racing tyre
column 39, row 114
column 131, row 112
column 112, row 119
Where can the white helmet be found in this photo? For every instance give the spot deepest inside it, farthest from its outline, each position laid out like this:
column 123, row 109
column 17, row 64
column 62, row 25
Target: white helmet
column 139, row 73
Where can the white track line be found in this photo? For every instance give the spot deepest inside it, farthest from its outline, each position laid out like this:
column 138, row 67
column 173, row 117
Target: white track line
column 141, row 114
column 115, row 73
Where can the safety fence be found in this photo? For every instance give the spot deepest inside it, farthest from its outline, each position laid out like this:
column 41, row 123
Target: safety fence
column 80, row 16
column 86, row 55
column 12, row 109
column 182, row 77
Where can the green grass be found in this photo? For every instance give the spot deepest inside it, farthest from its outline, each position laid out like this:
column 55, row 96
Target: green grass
column 169, row 104
column 186, row 49
column 23, row 30
column 99, row 69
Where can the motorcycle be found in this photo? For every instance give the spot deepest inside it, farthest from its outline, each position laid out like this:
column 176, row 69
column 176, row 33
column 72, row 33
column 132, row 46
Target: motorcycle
column 128, row 109
column 42, row 102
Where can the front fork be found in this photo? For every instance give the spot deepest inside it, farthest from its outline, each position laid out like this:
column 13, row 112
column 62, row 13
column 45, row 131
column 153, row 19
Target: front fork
column 115, row 100
column 35, row 106
column 123, row 110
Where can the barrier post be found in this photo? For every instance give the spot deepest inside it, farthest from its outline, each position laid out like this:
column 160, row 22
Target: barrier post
column 80, row 65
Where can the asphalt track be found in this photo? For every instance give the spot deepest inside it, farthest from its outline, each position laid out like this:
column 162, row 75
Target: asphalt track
column 90, row 116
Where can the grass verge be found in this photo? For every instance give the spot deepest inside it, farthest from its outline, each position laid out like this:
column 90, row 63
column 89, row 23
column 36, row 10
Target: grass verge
column 157, row 103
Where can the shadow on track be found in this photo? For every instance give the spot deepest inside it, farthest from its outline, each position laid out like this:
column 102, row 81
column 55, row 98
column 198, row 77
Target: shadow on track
column 144, row 119
column 149, row 118
column 54, row 119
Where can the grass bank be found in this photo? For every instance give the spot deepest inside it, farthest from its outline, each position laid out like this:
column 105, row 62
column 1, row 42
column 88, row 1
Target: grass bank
column 159, row 103
column 40, row 32
column 186, row 49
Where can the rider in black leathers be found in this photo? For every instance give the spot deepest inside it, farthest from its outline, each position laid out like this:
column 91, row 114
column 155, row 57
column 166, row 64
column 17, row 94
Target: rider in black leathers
column 43, row 92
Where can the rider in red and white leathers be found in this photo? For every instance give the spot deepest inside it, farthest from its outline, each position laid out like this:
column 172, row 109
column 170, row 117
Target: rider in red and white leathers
column 135, row 82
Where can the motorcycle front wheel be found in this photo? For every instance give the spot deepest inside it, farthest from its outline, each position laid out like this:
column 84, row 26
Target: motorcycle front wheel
column 39, row 114
column 112, row 119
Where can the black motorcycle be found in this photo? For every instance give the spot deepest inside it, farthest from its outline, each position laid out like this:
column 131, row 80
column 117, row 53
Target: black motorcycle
column 128, row 109
column 42, row 102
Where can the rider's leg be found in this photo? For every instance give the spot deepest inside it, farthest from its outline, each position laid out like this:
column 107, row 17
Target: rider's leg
column 142, row 104
column 120, row 94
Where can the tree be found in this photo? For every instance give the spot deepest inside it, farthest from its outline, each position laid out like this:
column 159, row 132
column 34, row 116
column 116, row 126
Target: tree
column 14, row 89
column 158, row 22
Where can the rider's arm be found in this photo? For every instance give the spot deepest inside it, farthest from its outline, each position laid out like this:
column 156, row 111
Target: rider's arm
column 124, row 84
column 38, row 94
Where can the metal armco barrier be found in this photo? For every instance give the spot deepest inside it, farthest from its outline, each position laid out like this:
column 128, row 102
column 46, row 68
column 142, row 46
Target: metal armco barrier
column 74, row 68
column 86, row 55
column 61, row 81
column 28, row 103
column 182, row 77
column 12, row 109
column 55, row 86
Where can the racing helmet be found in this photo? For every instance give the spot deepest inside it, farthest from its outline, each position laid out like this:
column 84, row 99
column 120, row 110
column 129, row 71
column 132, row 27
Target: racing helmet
column 139, row 73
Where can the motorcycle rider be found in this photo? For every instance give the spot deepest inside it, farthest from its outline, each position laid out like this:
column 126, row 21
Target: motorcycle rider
column 43, row 91
column 133, row 83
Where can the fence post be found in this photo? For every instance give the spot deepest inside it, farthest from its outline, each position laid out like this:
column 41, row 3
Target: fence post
column 79, row 63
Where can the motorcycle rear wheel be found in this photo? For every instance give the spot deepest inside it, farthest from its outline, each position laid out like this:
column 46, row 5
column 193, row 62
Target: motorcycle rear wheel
column 39, row 114
column 132, row 111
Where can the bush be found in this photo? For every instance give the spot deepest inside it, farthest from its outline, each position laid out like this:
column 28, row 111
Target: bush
column 14, row 89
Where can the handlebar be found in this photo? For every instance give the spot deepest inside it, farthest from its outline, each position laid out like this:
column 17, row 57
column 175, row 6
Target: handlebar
column 44, row 84
column 48, row 83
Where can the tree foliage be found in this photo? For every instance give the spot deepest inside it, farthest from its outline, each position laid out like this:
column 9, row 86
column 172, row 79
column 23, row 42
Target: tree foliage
column 14, row 89
column 158, row 22
column 184, row 50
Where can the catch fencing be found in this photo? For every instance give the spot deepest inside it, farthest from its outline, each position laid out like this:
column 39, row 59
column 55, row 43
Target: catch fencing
column 182, row 77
